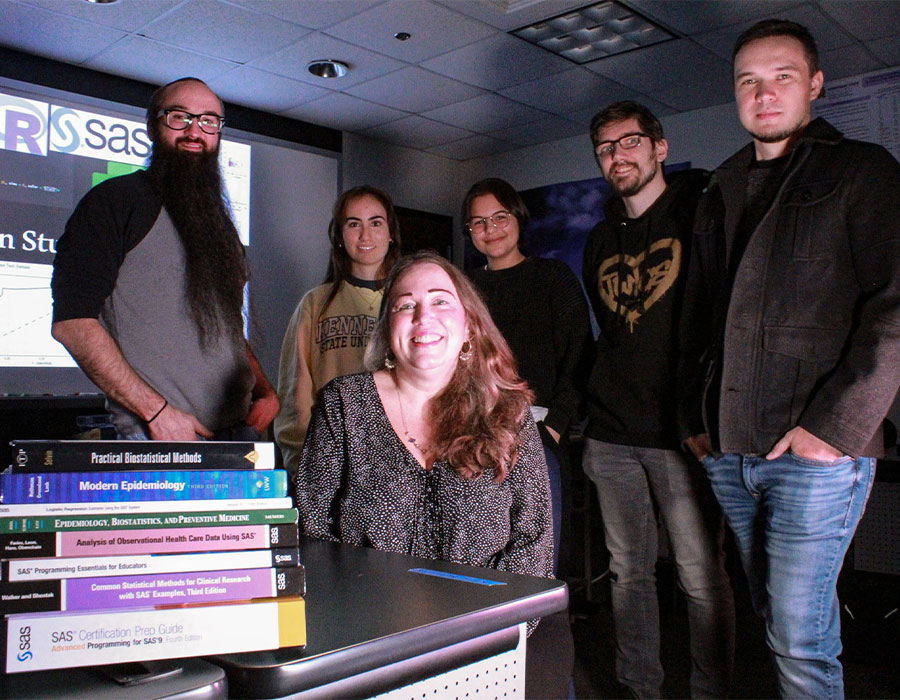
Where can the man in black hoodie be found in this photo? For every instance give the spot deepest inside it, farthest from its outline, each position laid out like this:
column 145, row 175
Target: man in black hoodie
column 634, row 269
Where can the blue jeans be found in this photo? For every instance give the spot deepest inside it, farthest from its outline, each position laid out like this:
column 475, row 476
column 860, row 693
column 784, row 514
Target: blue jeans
column 793, row 519
column 632, row 484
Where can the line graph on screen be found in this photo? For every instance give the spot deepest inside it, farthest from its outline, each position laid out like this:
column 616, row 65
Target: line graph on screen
column 25, row 312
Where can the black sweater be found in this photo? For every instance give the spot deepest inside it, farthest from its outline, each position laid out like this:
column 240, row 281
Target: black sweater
column 634, row 272
column 540, row 309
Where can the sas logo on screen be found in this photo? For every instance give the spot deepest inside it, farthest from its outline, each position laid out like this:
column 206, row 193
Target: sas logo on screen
column 98, row 136
column 36, row 127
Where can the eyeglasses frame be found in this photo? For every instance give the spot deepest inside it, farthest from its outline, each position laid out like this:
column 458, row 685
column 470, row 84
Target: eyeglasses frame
column 193, row 118
column 489, row 218
column 617, row 143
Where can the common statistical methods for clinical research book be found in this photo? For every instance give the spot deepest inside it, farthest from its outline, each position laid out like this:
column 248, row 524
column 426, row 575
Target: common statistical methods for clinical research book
column 113, row 592
column 119, row 455
column 127, row 565
column 139, row 521
column 159, row 541
column 42, row 641
column 94, row 487
column 41, row 510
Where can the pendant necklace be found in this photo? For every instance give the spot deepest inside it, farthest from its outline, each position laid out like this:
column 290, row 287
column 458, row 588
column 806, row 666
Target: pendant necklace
column 362, row 297
column 409, row 438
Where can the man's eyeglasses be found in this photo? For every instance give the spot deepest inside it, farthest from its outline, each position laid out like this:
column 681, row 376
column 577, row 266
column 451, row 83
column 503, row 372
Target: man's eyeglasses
column 479, row 224
column 626, row 143
column 179, row 120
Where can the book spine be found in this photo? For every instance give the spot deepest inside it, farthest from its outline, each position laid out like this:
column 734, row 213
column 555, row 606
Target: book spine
column 19, row 510
column 79, row 487
column 80, row 523
column 42, row 641
column 159, row 541
column 158, row 590
column 93, row 567
column 32, row 456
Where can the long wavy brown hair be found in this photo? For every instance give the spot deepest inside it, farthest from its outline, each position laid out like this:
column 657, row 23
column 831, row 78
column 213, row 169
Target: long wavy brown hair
column 476, row 418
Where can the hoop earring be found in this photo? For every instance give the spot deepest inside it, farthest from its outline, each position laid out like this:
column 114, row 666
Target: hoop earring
column 389, row 363
column 465, row 351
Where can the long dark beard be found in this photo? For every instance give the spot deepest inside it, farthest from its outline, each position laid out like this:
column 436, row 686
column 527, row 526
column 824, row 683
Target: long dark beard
column 190, row 185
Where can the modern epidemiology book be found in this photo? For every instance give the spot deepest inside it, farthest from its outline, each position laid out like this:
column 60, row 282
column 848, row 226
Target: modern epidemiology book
column 79, row 487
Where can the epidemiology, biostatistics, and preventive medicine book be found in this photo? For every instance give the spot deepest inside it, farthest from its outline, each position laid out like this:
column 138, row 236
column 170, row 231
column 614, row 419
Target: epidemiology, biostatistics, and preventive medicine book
column 42, row 641
column 140, row 521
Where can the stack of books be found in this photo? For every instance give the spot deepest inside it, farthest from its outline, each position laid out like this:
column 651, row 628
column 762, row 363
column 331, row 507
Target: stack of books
column 130, row 551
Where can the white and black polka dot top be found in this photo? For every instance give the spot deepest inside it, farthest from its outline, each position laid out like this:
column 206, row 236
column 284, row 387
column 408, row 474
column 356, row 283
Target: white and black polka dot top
column 359, row 484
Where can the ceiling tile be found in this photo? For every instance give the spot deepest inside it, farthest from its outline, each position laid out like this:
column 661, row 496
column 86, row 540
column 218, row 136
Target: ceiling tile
column 340, row 111
column 549, row 128
column 314, row 14
column 416, row 132
column 847, row 61
column 484, row 113
column 498, row 62
column 571, row 90
column 865, row 19
column 434, row 29
column 156, row 63
column 583, row 117
column 272, row 93
column 521, row 15
column 292, row 61
column 827, row 32
column 694, row 95
column 230, row 32
column 413, row 90
column 676, row 84
column 888, row 50
column 704, row 15
column 471, row 147
column 129, row 16
column 49, row 34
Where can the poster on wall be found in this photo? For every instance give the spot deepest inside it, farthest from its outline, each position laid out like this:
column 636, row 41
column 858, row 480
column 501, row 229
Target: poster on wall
column 865, row 107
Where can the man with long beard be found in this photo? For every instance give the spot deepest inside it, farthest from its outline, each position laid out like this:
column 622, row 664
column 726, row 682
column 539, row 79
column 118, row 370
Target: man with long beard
column 792, row 345
column 148, row 286
column 634, row 264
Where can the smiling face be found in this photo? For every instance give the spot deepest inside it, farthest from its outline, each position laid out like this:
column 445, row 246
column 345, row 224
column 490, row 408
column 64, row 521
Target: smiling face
column 499, row 244
column 773, row 89
column 194, row 97
column 427, row 321
column 365, row 235
column 628, row 171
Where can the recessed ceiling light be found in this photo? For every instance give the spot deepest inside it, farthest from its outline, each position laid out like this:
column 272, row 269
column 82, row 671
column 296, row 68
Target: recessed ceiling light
column 328, row 68
column 402, row 36
column 101, row 2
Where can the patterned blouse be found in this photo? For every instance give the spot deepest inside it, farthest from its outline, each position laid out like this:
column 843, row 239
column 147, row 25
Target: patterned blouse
column 359, row 484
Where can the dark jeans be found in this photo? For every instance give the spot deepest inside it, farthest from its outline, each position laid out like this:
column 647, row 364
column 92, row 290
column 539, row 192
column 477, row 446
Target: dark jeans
column 632, row 483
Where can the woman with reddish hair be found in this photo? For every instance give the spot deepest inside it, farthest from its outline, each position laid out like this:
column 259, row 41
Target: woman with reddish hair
column 434, row 452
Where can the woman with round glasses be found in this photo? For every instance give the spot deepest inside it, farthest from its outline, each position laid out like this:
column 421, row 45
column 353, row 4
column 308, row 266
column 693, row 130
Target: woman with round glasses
column 328, row 332
column 538, row 305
